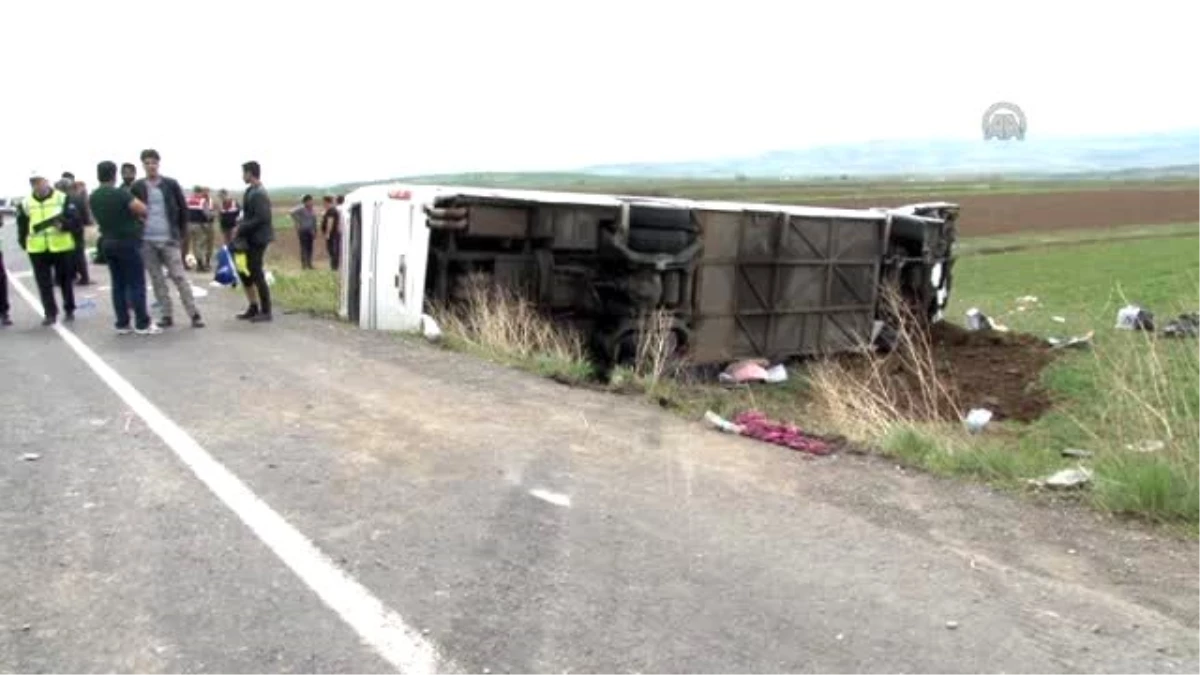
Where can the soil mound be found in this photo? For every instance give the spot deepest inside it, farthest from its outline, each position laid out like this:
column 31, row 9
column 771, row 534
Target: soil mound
column 975, row 369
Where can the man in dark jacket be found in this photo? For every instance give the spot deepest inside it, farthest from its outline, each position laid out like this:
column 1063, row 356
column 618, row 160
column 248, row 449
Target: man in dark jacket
column 77, row 195
column 165, row 225
column 253, row 234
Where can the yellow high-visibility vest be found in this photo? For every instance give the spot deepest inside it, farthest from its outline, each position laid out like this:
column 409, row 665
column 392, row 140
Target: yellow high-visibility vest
column 51, row 239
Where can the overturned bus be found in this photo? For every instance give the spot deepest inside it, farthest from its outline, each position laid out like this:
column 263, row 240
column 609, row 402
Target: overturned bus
column 737, row 280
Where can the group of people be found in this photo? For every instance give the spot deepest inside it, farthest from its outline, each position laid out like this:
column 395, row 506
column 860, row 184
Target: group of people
column 304, row 217
column 145, row 227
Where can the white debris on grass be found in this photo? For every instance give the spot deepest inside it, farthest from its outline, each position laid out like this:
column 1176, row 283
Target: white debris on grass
column 722, row 423
column 1067, row 478
column 430, row 329
column 977, row 419
column 1146, row 447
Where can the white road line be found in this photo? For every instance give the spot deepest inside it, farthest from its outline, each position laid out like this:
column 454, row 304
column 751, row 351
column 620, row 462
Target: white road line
column 556, row 498
column 378, row 626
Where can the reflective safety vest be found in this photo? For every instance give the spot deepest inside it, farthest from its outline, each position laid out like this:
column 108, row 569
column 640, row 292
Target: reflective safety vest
column 197, row 203
column 52, row 239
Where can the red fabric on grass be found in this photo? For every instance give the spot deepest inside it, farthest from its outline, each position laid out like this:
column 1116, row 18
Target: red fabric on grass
column 756, row 425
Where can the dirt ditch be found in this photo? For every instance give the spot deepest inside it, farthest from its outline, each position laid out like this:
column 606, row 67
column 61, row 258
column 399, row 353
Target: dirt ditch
column 974, row 369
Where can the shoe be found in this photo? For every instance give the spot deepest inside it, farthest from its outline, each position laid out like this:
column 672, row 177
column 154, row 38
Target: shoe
column 86, row 282
column 166, row 322
column 250, row 313
column 49, row 321
column 4, row 320
column 152, row 329
column 124, row 330
column 260, row 318
column 197, row 322
column 69, row 317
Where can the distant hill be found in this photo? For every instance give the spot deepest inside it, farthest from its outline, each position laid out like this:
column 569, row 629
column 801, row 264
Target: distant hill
column 1171, row 153
column 1168, row 155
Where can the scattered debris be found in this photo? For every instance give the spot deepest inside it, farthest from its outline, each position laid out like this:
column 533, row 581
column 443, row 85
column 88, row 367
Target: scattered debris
column 1076, row 452
column 1027, row 300
column 777, row 373
column 1147, row 447
column 1058, row 319
column 977, row 419
column 430, row 328
column 1067, row 479
column 756, row 425
column 951, row 625
column 1133, row 317
column 738, row 372
column 30, row 457
column 977, row 320
column 1080, row 341
column 1184, row 325
column 722, row 423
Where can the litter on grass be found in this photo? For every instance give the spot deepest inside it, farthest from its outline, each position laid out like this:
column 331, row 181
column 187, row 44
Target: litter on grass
column 1066, row 479
column 756, row 425
column 1079, row 341
column 1133, row 317
column 977, row 419
column 753, row 370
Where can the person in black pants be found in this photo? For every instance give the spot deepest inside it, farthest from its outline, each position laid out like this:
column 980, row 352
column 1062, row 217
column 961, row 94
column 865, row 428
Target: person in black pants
column 251, row 237
column 331, row 231
column 4, row 308
column 46, row 222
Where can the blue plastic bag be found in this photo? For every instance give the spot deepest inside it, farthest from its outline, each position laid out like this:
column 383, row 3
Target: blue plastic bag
column 224, row 272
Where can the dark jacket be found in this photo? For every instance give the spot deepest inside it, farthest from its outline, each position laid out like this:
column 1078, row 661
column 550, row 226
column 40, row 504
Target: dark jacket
column 177, row 211
column 70, row 220
column 256, row 228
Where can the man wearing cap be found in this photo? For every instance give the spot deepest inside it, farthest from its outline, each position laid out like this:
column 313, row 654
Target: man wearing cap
column 44, row 229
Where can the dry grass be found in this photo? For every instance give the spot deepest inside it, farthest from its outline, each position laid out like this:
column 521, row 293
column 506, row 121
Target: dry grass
column 502, row 326
column 865, row 403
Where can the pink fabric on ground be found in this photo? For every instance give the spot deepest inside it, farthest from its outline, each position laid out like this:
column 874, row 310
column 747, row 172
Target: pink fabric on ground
column 756, row 425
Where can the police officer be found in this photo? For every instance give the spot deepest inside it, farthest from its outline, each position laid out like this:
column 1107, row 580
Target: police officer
column 46, row 221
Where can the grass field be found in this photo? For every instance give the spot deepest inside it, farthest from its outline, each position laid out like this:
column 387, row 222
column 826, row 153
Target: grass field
column 1129, row 389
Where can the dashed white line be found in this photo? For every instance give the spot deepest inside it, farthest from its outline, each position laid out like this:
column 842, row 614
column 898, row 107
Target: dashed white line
column 556, row 498
column 378, row 626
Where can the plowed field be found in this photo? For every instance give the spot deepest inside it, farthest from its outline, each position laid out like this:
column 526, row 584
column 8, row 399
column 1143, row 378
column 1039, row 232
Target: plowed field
column 984, row 214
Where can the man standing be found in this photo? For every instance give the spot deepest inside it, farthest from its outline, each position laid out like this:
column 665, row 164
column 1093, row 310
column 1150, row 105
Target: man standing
column 251, row 238
column 44, row 222
column 305, row 220
column 230, row 210
column 5, row 321
column 331, row 229
column 200, row 217
column 117, row 213
column 128, row 175
column 166, row 218
column 76, row 193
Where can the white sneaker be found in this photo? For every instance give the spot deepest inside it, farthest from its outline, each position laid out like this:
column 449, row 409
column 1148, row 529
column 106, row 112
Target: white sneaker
column 152, row 330
column 124, row 331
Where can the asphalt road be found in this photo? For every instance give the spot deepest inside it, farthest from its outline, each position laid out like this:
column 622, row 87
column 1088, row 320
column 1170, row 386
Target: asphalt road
column 303, row 496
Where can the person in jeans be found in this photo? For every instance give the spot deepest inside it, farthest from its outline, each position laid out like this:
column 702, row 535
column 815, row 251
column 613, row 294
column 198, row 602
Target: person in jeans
column 116, row 212
column 305, row 220
column 251, row 237
column 165, row 225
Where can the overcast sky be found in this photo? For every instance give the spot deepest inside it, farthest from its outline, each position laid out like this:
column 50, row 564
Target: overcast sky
column 324, row 91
